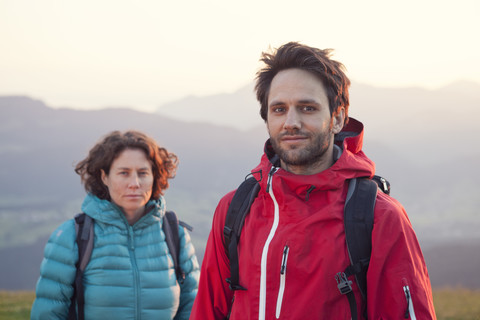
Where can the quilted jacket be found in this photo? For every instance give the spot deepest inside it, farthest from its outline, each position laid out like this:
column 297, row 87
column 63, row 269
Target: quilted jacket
column 130, row 274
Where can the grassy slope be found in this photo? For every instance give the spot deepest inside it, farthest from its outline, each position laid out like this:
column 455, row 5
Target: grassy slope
column 15, row 304
column 450, row 304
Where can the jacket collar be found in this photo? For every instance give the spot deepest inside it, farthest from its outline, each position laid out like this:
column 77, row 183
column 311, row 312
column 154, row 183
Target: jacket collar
column 350, row 163
column 107, row 212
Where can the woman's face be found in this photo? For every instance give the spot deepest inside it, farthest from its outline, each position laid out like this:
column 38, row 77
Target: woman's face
column 130, row 182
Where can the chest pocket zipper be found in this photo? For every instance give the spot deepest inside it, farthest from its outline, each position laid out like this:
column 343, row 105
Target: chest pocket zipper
column 283, row 273
column 409, row 312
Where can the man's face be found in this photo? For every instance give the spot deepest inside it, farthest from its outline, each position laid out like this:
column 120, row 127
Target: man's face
column 299, row 122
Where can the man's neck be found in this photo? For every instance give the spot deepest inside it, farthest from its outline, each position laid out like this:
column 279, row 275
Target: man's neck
column 316, row 167
column 309, row 169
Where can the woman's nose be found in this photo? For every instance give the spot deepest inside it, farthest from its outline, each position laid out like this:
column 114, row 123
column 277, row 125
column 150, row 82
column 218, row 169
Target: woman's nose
column 134, row 181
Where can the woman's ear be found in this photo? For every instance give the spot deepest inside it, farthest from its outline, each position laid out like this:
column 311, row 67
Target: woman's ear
column 338, row 120
column 104, row 177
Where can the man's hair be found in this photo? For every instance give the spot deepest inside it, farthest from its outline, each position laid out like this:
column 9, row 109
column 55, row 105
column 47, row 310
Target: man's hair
column 313, row 60
column 102, row 155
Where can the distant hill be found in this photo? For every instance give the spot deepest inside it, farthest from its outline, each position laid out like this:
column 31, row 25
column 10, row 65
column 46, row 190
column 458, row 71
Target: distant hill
column 237, row 110
column 430, row 157
column 420, row 139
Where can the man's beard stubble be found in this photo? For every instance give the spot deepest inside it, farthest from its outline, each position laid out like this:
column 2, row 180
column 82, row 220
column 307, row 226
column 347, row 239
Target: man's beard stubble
column 306, row 156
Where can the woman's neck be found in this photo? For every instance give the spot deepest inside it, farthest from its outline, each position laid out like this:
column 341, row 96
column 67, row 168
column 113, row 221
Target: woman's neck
column 133, row 217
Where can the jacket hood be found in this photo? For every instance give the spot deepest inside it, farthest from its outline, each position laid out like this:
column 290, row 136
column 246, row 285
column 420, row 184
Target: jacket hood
column 107, row 212
column 351, row 162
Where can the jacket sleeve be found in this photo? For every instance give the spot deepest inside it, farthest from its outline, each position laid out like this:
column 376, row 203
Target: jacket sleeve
column 189, row 264
column 398, row 285
column 214, row 298
column 57, row 273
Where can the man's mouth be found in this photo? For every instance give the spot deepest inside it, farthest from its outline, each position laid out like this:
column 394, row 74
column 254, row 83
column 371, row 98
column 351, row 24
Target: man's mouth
column 293, row 138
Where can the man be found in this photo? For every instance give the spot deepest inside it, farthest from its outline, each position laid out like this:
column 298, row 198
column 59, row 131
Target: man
column 293, row 240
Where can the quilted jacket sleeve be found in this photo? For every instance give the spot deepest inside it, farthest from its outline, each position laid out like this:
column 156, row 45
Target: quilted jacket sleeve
column 397, row 279
column 57, row 273
column 189, row 264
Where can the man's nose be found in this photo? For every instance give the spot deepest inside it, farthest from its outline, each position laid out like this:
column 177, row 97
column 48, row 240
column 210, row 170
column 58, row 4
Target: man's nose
column 292, row 119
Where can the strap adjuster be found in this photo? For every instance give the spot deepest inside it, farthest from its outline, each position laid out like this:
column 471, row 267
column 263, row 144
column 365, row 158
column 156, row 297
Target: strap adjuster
column 234, row 287
column 344, row 285
column 227, row 232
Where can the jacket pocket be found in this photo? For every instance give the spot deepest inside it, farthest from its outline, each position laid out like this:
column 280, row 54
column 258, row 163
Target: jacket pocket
column 283, row 275
column 409, row 311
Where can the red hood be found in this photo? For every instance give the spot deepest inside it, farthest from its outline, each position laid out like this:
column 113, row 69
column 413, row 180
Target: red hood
column 352, row 162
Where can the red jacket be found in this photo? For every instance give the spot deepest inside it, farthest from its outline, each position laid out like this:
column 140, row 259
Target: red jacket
column 298, row 223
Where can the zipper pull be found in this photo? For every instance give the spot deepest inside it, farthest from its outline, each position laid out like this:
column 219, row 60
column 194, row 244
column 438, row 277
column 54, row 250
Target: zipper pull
column 281, row 289
column 409, row 311
column 384, row 183
column 408, row 297
column 270, row 175
column 283, row 268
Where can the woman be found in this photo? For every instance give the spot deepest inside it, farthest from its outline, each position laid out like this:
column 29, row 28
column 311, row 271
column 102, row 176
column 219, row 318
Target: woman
column 130, row 274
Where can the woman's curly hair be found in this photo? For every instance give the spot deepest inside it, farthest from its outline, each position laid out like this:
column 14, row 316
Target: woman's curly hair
column 102, row 155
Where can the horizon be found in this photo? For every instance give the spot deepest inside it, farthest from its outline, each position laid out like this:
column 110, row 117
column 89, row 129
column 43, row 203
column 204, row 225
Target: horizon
column 157, row 108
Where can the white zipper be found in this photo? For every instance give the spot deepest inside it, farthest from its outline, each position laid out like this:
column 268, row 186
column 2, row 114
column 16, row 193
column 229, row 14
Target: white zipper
column 283, row 272
column 408, row 296
column 263, row 266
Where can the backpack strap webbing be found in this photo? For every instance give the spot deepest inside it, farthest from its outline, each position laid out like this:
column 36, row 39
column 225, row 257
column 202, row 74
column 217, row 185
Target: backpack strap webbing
column 84, row 238
column 170, row 229
column 358, row 220
column 237, row 211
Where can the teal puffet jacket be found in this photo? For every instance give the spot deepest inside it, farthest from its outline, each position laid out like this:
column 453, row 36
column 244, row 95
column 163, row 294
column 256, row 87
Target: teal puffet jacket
column 130, row 274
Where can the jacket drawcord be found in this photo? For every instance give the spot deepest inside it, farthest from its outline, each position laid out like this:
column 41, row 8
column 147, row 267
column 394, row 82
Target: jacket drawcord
column 308, row 193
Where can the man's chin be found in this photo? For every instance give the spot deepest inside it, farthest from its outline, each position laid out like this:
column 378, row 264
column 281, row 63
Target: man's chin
column 292, row 158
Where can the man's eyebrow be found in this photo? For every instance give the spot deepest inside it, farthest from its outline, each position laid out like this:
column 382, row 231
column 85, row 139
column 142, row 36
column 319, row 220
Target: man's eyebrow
column 309, row 101
column 300, row 102
column 276, row 103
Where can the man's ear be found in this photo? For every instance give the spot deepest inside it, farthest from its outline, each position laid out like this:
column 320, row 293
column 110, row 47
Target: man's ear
column 338, row 120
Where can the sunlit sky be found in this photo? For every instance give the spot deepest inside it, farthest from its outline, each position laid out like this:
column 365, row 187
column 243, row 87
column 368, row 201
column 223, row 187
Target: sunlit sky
column 142, row 54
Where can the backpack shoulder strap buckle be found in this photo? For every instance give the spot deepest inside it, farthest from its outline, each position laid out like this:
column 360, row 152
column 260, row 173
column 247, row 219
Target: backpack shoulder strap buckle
column 344, row 285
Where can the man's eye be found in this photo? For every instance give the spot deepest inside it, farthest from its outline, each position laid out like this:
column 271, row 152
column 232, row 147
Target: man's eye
column 278, row 109
column 309, row 108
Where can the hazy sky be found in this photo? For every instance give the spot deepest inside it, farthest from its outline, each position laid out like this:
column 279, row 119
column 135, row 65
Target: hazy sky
column 141, row 54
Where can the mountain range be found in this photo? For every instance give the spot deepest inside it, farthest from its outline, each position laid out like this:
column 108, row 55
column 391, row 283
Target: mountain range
column 423, row 141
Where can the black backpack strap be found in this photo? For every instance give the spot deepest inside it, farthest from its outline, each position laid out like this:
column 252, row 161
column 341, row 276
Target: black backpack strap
column 237, row 211
column 170, row 229
column 84, row 238
column 358, row 220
